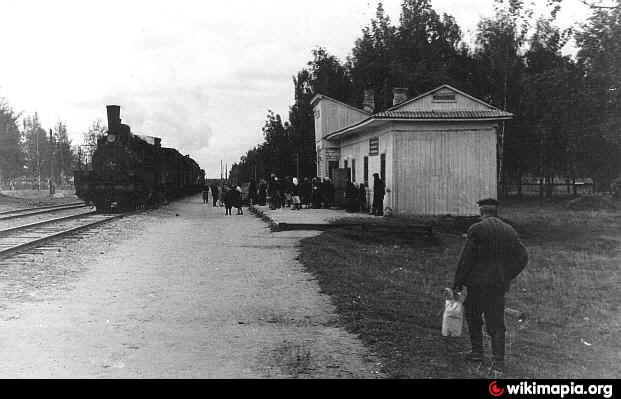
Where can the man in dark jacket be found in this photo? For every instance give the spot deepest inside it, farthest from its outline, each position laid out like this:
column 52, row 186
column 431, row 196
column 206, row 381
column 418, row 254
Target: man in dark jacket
column 379, row 190
column 491, row 257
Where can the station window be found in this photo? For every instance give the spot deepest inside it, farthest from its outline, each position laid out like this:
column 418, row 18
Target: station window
column 383, row 167
column 353, row 170
column 366, row 171
column 444, row 97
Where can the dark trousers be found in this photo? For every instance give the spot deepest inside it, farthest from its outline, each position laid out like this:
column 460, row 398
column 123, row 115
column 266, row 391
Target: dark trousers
column 378, row 206
column 488, row 303
column 215, row 200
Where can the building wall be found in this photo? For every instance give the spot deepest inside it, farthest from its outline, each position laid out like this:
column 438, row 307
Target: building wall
column 331, row 116
column 444, row 168
column 358, row 147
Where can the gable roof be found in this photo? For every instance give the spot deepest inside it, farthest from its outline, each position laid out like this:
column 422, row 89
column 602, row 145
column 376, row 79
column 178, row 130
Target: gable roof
column 398, row 113
column 444, row 86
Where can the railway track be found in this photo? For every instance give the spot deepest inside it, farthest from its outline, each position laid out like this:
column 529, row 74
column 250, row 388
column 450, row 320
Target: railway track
column 20, row 238
column 20, row 213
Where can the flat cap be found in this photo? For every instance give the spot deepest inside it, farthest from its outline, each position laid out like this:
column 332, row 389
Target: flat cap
column 488, row 202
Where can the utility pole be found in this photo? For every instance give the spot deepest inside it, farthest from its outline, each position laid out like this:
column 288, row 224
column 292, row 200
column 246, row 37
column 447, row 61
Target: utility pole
column 51, row 181
column 38, row 163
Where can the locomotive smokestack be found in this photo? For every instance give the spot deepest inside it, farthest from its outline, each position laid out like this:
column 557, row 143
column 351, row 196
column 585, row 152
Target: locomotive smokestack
column 114, row 118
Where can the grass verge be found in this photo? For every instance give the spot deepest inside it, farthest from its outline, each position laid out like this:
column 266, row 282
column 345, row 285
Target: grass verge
column 388, row 290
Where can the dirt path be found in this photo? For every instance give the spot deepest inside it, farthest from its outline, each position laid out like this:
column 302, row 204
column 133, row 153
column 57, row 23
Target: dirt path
column 198, row 295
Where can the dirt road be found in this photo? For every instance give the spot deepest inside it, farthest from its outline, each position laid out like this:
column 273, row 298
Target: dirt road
column 180, row 292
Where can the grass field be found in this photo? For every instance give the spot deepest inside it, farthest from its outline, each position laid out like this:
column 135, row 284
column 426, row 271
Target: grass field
column 388, row 289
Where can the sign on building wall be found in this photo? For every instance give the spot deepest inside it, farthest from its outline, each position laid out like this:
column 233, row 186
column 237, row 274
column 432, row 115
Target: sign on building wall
column 374, row 146
column 332, row 154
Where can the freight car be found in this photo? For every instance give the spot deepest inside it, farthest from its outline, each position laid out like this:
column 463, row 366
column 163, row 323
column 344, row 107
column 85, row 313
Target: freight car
column 131, row 171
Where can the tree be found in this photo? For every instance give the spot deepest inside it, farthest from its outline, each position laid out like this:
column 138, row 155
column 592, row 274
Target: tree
column 36, row 145
column 600, row 57
column 370, row 63
column 11, row 151
column 63, row 155
column 278, row 146
column 85, row 152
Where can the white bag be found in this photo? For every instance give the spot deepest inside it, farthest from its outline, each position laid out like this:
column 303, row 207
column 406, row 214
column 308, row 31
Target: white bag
column 453, row 316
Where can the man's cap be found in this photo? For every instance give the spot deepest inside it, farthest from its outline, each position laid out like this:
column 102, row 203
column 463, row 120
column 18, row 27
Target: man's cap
column 488, row 202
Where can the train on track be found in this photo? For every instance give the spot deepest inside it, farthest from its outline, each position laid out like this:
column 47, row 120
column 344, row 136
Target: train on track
column 131, row 171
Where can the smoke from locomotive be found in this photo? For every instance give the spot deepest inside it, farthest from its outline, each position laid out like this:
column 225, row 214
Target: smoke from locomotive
column 131, row 171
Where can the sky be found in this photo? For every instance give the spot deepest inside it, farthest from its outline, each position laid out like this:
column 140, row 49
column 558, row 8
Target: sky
column 199, row 74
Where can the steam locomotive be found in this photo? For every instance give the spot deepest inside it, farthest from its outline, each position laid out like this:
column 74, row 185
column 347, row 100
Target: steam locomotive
column 131, row 171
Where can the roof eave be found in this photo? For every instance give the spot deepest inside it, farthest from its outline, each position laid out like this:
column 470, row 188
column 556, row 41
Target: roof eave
column 498, row 118
column 351, row 129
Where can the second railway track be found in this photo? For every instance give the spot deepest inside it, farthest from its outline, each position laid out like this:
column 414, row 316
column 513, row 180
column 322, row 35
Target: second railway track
column 16, row 239
column 21, row 213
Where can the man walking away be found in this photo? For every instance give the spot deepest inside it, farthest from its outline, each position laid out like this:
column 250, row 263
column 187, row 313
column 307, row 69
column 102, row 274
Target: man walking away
column 379, row 190
column 491, row 257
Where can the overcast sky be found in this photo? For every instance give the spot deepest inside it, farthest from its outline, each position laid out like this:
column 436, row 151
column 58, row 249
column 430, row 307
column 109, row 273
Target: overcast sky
column 199, row 74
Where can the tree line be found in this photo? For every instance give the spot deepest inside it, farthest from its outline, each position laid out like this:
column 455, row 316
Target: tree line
column 33, row 153
column 567, row 108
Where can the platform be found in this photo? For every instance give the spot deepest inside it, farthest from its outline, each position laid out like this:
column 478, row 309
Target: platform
column 304, row 219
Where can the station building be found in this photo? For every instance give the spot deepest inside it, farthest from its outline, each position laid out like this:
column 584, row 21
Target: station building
column 437, row 153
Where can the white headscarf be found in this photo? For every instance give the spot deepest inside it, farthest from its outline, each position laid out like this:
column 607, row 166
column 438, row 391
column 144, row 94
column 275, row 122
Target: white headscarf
column 295, row 181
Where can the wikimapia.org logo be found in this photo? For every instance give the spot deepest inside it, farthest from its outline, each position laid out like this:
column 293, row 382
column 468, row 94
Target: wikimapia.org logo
column 526, row 388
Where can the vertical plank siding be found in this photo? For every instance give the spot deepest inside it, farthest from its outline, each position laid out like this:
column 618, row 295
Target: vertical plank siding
column 444, row 172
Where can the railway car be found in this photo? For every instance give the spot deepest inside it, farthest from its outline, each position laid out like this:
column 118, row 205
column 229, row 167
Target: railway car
column 131, row 171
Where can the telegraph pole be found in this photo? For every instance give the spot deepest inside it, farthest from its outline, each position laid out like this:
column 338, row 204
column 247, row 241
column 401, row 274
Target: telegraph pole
column 51, row 181
column 38, row 163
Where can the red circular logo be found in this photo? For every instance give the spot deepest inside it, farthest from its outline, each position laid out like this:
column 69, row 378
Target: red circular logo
column 494, row 390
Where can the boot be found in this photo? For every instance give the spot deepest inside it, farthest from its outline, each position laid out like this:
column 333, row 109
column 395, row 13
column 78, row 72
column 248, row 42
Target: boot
column 498, row 351
column 476, row 354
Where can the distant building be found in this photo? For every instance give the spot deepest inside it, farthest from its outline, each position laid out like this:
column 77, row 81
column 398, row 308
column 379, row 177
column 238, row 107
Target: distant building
column 436, row 152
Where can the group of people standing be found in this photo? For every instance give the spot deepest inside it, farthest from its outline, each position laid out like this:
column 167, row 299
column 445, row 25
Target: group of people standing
column 315, row 193
column 356, row 197
column 228, row 196
column 292, row 193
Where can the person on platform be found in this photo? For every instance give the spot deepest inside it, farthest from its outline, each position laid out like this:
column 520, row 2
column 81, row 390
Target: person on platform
column 296, row 189
column 379, row 191
column 351, row 198
column 205, row 195
column 237, row 200
column 228, row 199
column 214, row 194
column 362, row 197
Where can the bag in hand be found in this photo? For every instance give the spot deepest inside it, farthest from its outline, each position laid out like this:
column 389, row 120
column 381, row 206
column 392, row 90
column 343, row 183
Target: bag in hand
column 453, row 316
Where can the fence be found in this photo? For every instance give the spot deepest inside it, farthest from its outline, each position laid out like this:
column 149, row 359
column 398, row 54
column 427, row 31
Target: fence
column 555, row 189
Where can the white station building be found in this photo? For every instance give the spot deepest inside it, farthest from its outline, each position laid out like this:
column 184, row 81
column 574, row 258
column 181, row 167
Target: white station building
column 437, row 153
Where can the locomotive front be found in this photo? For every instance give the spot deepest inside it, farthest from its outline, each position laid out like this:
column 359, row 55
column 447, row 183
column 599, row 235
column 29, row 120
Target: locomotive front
column 123, row 175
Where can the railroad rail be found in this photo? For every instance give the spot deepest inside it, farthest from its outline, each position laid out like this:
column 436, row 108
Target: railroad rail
column 20, row 213
column 20, row 238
